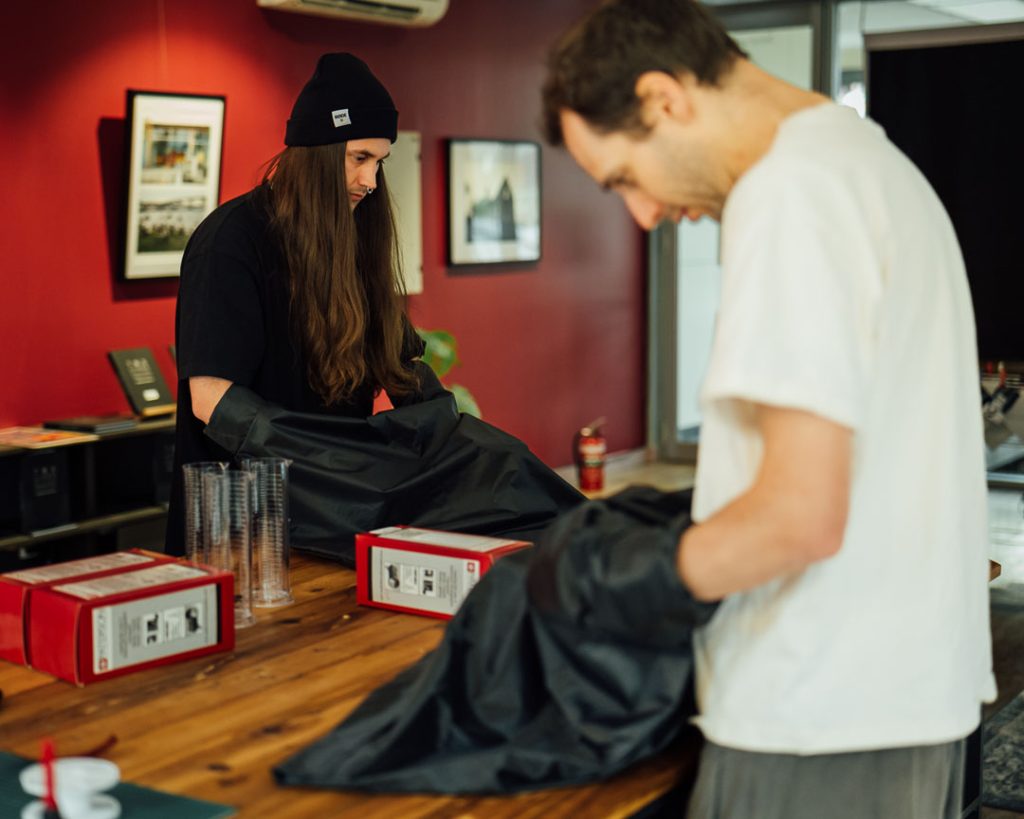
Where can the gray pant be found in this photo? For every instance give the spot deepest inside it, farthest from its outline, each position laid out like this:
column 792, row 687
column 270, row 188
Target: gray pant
column 924, row 782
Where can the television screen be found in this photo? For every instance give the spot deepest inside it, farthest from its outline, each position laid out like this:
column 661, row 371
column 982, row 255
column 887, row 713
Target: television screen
column 955, row 110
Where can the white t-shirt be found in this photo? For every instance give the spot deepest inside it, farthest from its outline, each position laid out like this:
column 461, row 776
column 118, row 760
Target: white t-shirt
column 844, row 294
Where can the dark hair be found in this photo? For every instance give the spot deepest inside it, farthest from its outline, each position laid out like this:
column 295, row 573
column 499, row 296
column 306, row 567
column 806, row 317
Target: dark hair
column 346, row 308
column 593, row 68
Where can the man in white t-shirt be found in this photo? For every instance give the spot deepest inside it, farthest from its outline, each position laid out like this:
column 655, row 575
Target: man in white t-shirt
column 840, row 498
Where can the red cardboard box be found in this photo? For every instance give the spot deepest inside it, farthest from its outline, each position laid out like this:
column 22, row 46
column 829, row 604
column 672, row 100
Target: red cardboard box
column 16, row 590
column 90, row 630
column 423, row 571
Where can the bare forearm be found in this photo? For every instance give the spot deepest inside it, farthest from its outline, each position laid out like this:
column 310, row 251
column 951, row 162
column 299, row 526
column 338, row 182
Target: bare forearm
column 792, row 515
column 746, row 544
column 206, row 394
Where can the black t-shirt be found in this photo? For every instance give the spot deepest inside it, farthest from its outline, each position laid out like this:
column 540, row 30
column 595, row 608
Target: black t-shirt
column 232, row 322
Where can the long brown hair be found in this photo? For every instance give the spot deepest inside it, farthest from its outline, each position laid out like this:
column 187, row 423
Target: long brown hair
column 346, row 309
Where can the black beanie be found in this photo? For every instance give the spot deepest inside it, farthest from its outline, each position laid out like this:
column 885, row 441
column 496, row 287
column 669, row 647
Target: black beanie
column 342, row 101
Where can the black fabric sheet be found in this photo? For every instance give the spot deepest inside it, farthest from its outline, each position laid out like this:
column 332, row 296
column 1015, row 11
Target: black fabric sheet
column 567, row 663
column 422, row 464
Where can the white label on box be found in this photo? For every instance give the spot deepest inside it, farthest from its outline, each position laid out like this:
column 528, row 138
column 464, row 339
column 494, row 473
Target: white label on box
column 130, row 581
column 434, row 583
column 471, row 543
column 151, row 628
column 75, row 568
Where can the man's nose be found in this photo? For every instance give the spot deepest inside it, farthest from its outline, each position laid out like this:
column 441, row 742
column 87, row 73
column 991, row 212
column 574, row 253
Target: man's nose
column 647, row 212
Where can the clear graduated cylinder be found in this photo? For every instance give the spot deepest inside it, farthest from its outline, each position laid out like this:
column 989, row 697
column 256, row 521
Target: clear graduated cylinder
column 227, row 499
column 195, row 542
column 271, row 583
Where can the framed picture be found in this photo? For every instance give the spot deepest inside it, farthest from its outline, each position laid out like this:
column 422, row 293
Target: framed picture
column 493, row 201
column 173, row 178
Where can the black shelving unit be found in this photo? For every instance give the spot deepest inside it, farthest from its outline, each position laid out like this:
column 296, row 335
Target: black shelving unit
column 99, row 487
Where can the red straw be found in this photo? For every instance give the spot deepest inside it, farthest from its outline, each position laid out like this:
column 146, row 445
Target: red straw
column 49, row 803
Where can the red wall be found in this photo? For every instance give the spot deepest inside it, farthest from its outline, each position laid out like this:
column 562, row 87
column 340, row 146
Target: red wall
column 545, row 348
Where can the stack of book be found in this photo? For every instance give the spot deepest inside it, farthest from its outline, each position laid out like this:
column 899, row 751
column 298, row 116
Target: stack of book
column 98, row 424
column 40, row 438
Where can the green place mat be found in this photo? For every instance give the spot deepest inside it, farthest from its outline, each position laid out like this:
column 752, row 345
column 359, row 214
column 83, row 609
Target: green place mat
column 136, row 802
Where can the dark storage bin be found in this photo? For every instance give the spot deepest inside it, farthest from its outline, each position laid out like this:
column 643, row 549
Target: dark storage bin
column 10, row 505
column 43, row 490
column 134, row 471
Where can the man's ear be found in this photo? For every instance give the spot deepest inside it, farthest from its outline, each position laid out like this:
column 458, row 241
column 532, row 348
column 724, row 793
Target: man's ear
column 662, row 95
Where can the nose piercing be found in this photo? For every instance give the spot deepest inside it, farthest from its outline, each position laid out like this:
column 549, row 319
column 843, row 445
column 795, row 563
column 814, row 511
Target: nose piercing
column 369, row 190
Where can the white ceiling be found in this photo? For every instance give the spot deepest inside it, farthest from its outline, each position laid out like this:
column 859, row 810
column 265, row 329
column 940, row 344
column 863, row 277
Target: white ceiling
column 897, row 15
column 876, row 16
column 979, row 11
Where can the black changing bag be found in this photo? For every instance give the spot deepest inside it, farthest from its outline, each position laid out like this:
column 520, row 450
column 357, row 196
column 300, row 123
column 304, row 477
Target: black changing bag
column 567, row 663
column 422, row 464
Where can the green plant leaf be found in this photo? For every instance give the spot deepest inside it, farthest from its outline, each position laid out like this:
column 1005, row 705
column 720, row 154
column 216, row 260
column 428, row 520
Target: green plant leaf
column 441, row 352
column 465, row 401
column 441, row 355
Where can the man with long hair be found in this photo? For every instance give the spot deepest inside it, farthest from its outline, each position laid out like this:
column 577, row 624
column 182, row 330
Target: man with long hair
column 840, row 493
column 293, row 289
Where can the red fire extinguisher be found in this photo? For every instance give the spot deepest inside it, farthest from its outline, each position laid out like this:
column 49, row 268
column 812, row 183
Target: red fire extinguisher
column 590, row 448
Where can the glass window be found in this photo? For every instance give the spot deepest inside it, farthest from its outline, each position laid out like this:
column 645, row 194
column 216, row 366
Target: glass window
column 810, row 45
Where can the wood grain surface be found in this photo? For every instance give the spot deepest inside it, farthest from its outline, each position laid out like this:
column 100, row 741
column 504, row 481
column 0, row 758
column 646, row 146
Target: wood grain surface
column 213, row 728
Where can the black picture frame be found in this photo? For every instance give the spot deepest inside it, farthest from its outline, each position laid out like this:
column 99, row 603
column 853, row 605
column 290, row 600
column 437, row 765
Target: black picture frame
column 173, row 152
column 494, row 202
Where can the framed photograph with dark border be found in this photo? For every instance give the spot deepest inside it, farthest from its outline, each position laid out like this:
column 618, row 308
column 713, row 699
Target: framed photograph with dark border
column 493, row 201
column 174, row 144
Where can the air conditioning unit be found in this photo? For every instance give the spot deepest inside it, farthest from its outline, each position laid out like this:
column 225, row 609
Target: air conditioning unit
column 391, row 12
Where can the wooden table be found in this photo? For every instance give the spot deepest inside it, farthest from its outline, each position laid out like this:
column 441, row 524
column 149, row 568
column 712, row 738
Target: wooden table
column 212, row 728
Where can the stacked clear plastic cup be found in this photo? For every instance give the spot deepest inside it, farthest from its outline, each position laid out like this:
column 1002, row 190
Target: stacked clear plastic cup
column 195, row 541
column 227, row 508
column 271, row 583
